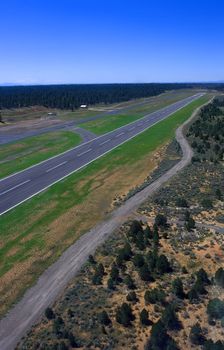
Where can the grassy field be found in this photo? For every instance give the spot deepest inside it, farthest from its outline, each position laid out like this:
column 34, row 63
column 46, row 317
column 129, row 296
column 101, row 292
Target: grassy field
column 35, row 234
column 112, row 122
column 37, row 112
column 20, row 155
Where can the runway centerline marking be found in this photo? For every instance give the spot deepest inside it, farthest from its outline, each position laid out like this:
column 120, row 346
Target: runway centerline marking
column 14, row 187
column 104, row 142
column 88, row 150
column 122, row 133
column 56, row 166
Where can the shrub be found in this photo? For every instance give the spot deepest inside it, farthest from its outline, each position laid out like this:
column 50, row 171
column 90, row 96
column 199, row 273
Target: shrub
column 161, row 220
column 91, row 259
column 210, row 345
column 207, row 203
column 215, row 308
column 62, row 346
column 181, row 202
column 49, row 313
column 104, row 318
column 132, row 296
column 190, row 224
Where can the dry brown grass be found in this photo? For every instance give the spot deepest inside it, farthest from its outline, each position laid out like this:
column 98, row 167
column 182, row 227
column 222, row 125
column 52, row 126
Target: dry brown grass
column 78, row 219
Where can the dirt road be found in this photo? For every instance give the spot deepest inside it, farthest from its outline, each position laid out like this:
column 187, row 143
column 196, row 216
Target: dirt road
column 53, row 281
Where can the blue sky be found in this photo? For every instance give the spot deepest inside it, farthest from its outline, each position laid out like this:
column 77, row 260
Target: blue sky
column 107, row 41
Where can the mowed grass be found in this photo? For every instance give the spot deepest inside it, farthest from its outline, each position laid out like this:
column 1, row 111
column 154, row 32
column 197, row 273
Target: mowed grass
column 36, row 233
column 111, row 122
column 20, row 155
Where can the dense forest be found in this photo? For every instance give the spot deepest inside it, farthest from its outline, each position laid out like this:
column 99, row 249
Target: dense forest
column 72, row 96
column 207, row 133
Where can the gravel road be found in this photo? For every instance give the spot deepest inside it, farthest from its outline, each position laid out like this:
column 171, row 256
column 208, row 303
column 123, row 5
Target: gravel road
column 54, row 280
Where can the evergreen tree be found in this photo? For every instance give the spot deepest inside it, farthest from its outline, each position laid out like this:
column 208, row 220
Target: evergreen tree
column 160, row 339
column 124, row 315
column 135, row 228
column 152, row 258
column 145, row 274
column 155, row 236
column 155, row 296
column 196, row 335
column 114, row 274
column 138, row 260
column 162, row 264
column 148, row 232
column 218, row 194
column 219, row 277
column 129, row 282
column 202, row 276
column 170, row 319
column 110, row 284
column 144, row 317
column 140, row 241
column 177, row 287
column 72, row 340
column 193, row 294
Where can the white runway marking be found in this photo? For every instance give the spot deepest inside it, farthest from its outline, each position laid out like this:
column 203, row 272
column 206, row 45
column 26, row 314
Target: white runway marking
column 132, row 128
column 122, row 133
column 88, row 150
column 104, row 142
column 56, row 166
column 12, row 188
column 146, row 118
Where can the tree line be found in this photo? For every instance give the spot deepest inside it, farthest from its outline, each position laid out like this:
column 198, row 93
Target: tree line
column 72, row 96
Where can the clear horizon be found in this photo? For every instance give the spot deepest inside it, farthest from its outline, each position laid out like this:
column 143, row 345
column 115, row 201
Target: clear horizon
column 85, row 42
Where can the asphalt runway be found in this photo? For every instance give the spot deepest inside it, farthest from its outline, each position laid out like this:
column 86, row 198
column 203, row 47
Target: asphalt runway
column 23, row 185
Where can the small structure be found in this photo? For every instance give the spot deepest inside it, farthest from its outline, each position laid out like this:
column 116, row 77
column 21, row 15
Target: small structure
column 51, row 114
column 83, row 106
